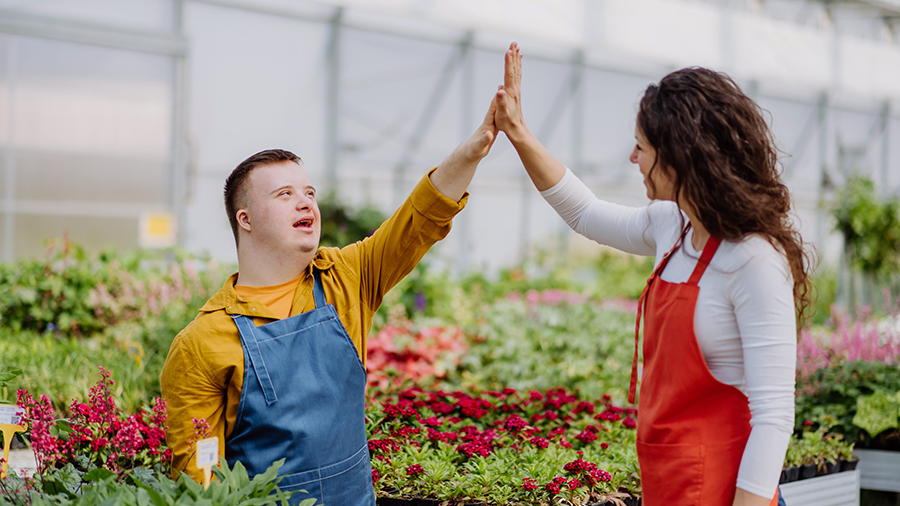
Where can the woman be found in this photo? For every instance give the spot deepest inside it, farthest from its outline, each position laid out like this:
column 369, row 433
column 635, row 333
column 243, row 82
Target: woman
column 717, row 392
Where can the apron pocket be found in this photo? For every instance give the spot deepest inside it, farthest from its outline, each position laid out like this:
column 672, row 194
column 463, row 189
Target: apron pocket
column 671, row 474
column 345, row 483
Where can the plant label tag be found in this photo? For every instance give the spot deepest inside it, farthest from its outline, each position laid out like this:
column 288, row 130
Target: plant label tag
column 11, row 415
column 207, row 452
column 11, row 418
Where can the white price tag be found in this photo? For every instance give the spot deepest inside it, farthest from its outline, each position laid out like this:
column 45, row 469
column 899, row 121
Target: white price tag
column 207, row 452
column 11, row 415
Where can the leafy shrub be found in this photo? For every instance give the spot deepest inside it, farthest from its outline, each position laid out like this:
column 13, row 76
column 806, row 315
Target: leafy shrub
column 871, row 228
column 413, row 352
column 866, row 338
column 832, row 392
column 551, row 338
column 342, row 225
column 144, row 487
column 817, row 447
column 502, row 447
column 71, row 294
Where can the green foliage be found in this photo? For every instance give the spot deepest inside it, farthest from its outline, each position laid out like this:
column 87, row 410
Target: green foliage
column 342, row 225
column 832, row 391
column 7, row 374
column 817, row 447
column 71, row 294
column 878, row 412
column 825, row 282
column 143, row 487
column 526, row 345
column 871, row 228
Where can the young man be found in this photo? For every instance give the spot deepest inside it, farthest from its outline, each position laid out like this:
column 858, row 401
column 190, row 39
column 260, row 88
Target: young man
column 275, row 360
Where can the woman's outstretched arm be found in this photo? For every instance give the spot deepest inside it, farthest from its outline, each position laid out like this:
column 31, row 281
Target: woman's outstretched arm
column 544, row 170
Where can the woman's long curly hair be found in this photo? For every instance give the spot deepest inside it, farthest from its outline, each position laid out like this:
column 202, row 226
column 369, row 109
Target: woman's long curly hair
column 724, row 163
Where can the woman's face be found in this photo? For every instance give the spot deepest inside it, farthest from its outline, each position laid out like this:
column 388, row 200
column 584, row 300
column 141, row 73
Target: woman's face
column 659, row 181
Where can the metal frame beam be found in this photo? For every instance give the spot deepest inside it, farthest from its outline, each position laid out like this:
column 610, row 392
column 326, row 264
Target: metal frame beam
column 426, row 118
column 17, row 23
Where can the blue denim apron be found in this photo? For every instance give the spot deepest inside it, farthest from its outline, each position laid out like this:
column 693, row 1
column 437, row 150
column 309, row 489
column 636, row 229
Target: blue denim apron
column 303, row 400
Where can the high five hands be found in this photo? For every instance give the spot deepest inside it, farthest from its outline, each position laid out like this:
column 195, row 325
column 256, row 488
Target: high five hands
column 508, row 116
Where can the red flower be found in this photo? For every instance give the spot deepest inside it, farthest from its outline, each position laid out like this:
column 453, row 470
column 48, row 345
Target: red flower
column 375, row 476
column 539, row 442
column 414, row 470
column 529, row 484
column 629, row 423
column 574, row 483
column 514, row 423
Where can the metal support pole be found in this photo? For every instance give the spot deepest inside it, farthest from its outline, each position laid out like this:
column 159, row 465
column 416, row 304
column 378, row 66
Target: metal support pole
column 885, row 146
column 467, row 84
column 177, row 200
column 333, row 100
column 9, row 195
column 427, row 117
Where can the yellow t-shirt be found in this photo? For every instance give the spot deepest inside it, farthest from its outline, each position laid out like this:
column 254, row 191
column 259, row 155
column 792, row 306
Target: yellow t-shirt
column 278, row 298
column 204, row 370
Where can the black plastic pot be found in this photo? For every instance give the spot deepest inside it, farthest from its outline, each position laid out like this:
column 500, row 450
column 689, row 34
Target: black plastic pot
column 849, row 465
column 828, row 468
column 807, row 471
column 793, row 473
column 629, row 501
column 784, row 477
column 394, row 501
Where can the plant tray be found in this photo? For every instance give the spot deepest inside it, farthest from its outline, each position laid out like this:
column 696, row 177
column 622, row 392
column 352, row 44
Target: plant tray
column 879, row 470
column 839, row 489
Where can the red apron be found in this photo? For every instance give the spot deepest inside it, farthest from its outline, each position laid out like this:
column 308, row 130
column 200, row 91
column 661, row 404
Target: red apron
column 691, row 428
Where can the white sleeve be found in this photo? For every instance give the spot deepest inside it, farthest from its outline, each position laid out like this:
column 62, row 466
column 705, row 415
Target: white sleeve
column 630, row 229
column 762, row 294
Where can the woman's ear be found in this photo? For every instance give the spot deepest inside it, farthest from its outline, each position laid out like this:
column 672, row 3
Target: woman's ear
column 243, row 219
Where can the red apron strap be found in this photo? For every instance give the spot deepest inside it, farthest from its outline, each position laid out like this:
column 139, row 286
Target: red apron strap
column 712, row 244
column 632, row 387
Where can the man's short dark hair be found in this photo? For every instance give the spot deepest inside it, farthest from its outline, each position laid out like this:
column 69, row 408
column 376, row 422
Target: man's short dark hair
column 236, row 183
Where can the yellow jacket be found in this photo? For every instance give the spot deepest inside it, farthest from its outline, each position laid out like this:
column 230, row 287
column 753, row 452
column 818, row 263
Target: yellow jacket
column 204, row 371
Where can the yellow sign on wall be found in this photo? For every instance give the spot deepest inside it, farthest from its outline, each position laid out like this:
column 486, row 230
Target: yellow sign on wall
column 158, row 230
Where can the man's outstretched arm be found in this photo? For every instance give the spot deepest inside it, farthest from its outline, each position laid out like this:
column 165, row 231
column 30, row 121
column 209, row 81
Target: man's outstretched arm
column 454, row 174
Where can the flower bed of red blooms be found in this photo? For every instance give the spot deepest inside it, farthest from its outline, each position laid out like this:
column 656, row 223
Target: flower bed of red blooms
column 502, row 447
column 96, row 434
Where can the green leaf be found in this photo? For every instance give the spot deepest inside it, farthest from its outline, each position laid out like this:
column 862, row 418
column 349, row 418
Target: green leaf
column 877, row 413
column 98, row 474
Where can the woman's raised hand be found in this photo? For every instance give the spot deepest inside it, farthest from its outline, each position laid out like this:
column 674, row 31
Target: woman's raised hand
column 544, row 170
column 508, row 117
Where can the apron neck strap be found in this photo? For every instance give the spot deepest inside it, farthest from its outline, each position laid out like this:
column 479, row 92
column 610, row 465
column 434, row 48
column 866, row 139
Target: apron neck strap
column 318, row 292
column 712, row 244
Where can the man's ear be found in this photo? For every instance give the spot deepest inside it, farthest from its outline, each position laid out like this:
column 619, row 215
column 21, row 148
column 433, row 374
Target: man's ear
column 243, row 219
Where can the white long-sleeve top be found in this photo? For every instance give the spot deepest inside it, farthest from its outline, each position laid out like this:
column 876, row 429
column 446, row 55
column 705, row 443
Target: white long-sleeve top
column 744, row 318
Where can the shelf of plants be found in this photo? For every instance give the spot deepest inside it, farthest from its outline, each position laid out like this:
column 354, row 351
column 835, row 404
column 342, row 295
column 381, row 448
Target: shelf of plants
column 502, row 447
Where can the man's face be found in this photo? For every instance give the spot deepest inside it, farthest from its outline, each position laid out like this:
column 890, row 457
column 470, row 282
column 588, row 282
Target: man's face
column 282, row 209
